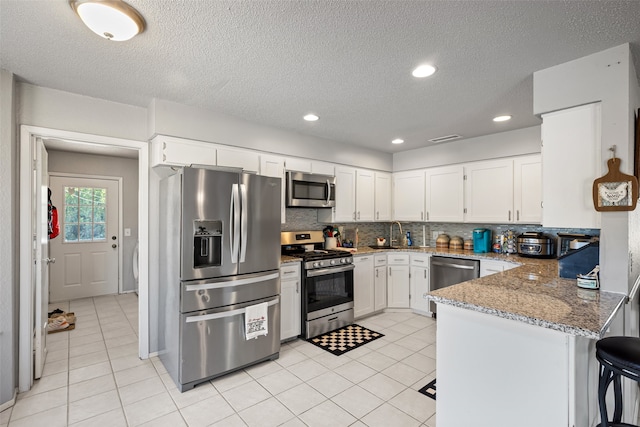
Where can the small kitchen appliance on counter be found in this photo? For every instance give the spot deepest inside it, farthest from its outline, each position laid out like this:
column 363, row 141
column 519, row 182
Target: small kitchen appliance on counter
column 481, row 240
column 536, row 244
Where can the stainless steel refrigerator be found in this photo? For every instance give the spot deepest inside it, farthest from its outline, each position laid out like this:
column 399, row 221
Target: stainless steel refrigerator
column 219, row 254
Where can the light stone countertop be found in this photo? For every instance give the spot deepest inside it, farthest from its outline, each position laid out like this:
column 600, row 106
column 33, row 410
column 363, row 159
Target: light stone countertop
column 284, row 259
column 531, row 293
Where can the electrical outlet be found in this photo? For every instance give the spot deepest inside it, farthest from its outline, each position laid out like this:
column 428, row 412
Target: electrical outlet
column 435, row 234
column 127, row 232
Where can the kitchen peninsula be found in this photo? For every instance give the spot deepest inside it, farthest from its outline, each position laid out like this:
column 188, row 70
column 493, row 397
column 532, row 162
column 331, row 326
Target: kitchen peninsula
column 520, row 340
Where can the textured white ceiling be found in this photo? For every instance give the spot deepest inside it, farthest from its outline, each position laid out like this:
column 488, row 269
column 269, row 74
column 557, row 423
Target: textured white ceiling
column 348, row 61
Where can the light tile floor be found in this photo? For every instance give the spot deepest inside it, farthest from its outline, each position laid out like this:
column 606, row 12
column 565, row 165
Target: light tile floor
column 93, row 377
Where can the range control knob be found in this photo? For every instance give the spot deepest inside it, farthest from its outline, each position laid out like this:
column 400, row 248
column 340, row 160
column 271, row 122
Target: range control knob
column 343, row 260
column 316, row 264
column 333, row 261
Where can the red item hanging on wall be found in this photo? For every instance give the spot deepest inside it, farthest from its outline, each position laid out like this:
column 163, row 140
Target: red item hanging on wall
column 54, row 225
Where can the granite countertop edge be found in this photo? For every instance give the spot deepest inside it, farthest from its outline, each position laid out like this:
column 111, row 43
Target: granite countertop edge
column 567, row 329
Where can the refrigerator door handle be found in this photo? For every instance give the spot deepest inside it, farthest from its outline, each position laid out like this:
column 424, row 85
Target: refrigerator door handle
column 243, row 231
column 231, row 313
column 231, row 283
column 234, row 223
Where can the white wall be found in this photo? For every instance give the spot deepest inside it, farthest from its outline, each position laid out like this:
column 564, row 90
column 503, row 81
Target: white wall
column 504, row 144
column 55, row 109
column 168, row 118
column 8, row 241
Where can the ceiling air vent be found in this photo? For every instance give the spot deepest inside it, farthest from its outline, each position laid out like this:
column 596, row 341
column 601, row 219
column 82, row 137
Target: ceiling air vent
column 444, row 138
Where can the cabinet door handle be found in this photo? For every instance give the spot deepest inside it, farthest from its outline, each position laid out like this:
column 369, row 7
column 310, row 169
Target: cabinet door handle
column 509, row 215
column 389, row 271
column 377, row 272
column 425, row 274
column 427, row 215
column 358, row 214
column 297, row 287
column 518, row 215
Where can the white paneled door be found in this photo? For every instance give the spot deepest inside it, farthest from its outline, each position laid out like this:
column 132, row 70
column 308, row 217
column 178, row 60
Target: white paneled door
column 43, row 260
column 87, row 249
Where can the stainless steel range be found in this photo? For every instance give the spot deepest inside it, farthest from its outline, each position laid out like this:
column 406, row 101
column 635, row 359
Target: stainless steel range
column 327, row 282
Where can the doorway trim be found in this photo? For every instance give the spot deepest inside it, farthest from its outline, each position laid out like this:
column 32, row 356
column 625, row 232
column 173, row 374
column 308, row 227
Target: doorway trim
column 28, row 135
column 120, row 216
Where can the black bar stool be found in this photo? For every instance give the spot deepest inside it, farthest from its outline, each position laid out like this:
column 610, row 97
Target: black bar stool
column 618, row 357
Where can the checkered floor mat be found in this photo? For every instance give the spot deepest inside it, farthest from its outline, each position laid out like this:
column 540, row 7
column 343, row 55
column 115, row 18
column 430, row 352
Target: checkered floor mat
column 345, row 339
column 429, row 390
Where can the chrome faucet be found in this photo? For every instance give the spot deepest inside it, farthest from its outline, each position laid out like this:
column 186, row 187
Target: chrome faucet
column 391, row 239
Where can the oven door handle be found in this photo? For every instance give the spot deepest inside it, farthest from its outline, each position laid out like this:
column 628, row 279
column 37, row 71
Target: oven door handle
column 330, row 270
column 231, row 283
column 223, row 314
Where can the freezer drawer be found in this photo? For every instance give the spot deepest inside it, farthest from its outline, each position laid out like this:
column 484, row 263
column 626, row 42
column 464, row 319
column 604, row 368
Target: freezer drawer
column 207, row 294
column 213, row 342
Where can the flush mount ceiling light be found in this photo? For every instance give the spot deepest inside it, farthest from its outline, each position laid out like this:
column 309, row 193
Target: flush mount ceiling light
column 311, row 117
column 424, row 70
column 501, row 118
column 397, row 141
column 111, row 19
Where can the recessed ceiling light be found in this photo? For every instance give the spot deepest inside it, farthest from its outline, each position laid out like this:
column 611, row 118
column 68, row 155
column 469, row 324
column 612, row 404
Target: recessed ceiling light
column 501, row 118
column 311, row 117
column 397, row 141
column 425, row 70
column 112, row 19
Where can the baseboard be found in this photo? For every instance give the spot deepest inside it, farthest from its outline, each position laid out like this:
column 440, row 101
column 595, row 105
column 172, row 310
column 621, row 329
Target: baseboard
column 8, row 404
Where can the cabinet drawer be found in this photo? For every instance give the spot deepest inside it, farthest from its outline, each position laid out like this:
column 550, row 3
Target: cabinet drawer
column 398, row 259
column 380, row 260
column 420, row 260
column 290, row 271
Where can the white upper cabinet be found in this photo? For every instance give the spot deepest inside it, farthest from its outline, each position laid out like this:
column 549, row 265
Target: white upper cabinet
column 382, row 197
column 444, row 194
column 489, row 191
column 527, row 189
column 245, row 159
column 570, row 162
column 298, row 165
column 170, row 151
column 345, row 209
column 274, row 166
column 408, row 196
column 322, row 168
column 365, row 195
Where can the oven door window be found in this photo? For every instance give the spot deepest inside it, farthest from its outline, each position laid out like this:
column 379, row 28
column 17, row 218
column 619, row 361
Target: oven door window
column 329, row 290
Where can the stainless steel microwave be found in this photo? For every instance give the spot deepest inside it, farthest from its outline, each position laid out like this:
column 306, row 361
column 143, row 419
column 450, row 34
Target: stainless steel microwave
column 310, row 190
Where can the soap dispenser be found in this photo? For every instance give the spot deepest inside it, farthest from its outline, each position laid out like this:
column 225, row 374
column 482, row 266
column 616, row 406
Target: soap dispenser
column 409, row 242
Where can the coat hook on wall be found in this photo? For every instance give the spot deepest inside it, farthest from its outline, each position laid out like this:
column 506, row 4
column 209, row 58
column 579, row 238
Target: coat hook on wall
column 613, row 152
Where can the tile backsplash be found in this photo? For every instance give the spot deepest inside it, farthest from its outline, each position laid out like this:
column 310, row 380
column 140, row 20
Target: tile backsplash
column 307, row 219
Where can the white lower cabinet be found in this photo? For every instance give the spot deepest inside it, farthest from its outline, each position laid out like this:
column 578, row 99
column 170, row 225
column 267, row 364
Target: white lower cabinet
column 489, row 267
column 419, row 282
column 398, row 280
column 380, row 282
column 363, row 286
column 290, row 300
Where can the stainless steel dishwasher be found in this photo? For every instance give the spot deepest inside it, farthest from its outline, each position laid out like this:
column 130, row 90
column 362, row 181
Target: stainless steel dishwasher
column 446, row 271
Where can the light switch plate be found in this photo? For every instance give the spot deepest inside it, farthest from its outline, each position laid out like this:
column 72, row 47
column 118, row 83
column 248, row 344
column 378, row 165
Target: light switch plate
column 435, row 234
column 127, row 232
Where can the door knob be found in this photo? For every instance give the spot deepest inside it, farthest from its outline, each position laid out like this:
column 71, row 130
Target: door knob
column 113, row 237
column 50, row 260
column 114, row 246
